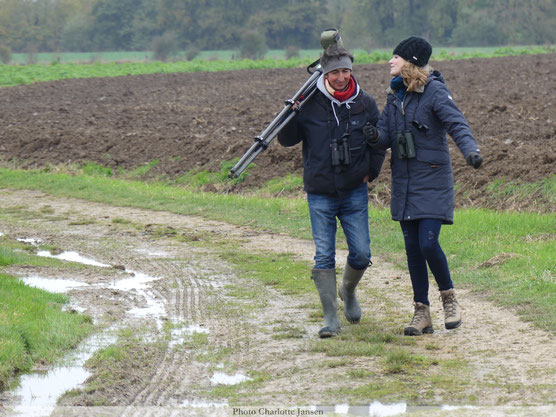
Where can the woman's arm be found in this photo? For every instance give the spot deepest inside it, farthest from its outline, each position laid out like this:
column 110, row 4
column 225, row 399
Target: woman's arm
column 453, row 120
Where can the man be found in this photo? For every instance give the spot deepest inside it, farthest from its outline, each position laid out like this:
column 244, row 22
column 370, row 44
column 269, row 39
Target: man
column 337, row 166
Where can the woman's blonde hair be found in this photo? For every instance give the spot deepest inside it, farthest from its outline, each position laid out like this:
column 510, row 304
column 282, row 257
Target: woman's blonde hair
column 413, row 76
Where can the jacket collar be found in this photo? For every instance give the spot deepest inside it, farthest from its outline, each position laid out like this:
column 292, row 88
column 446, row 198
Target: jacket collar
column 420, row 89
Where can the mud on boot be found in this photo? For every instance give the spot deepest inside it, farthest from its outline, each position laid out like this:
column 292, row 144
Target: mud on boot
column 325, row 281
column 352, row 309
column 452, row 310
column 421, row 321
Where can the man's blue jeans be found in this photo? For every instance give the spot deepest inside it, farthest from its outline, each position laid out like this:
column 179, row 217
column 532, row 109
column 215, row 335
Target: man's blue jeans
column 353, row 212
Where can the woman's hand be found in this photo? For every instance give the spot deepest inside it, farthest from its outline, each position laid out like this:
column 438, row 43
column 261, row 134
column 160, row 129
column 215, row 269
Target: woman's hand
column 371, row 135
column 474, row 159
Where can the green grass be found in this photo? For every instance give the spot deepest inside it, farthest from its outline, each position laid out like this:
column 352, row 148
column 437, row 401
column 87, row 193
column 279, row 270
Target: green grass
column 226, row 55
column 517, row 191
column 280, row 271
column 134, row 63
column 393, row 371
column 196, row 179
column 33, row 327
column 507, row 255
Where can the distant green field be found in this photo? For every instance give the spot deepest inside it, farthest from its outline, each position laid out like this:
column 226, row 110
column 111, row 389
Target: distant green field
column 64, row 66
column 146, row 56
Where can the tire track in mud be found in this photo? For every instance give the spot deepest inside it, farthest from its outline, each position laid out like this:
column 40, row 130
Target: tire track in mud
column 182, row 297
column 187, row 294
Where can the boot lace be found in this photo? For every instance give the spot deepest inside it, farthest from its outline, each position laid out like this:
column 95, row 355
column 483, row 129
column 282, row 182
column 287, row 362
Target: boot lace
column 449, row 303
column 419, row 316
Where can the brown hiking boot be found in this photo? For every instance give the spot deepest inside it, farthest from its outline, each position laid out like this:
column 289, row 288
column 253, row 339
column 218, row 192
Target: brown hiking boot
column 421, row 321
column 452, row 310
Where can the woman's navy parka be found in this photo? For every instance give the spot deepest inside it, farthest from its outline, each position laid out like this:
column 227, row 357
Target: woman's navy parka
column 318, row 122
column 423, row 187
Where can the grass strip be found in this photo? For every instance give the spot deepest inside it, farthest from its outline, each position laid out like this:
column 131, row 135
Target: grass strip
column 509, row 255
column 33, row 328
column 27, row 74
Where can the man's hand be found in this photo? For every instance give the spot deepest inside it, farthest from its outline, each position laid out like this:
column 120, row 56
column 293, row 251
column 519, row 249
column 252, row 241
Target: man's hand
column 474, row 159
column 370, row 133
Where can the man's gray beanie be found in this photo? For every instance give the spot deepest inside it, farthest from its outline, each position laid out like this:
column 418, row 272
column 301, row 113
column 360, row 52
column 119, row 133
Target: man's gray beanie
column 335, row 58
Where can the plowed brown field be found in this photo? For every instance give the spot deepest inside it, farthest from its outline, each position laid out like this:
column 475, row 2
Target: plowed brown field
column 197, row 120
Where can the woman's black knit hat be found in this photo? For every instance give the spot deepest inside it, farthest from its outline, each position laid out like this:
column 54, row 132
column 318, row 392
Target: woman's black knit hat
column 415, row 50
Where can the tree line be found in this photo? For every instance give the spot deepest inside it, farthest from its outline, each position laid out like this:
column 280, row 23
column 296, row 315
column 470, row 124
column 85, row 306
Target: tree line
column 105, row 25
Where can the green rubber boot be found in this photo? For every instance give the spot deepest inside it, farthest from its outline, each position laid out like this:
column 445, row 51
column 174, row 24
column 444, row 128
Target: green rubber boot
column 352, row 309
column 325, row 281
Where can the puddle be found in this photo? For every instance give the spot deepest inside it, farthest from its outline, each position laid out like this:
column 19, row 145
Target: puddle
column 30, row 240
column 220, row 378
column 202, row 404
column 155, row 308
column 375, row 409
column 73, row 257
column 137, row 282
column 180, row 334
column 53, row 285
column 38, row 393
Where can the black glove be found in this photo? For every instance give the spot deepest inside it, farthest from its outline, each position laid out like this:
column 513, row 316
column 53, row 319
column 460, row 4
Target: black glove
column 474, row 159
column 370, row 133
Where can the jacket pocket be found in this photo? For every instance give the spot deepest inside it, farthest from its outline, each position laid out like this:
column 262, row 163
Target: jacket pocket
column 433, row 157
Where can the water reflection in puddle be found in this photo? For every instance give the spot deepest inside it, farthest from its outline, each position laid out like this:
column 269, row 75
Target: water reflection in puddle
column 375, row 409
column 180, row 334
column 138, row 282
column 53, row 285
column 155, row 308
column 73, row 257
column 202, row 404
column 38, row 393
column 220, row 378
column 30, row 240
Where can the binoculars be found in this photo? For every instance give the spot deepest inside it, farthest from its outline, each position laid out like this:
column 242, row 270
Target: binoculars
column 340, row 151
column 406, row 145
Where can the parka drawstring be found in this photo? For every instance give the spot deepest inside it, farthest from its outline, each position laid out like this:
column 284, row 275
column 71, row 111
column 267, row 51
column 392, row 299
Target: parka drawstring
column 339, row 104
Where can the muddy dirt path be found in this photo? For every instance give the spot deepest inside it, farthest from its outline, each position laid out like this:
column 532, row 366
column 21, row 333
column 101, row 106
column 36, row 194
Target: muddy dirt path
column 197, row 323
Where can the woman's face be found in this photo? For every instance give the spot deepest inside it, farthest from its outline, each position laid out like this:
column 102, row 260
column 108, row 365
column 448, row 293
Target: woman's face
column 338, row 78
column 396, row 64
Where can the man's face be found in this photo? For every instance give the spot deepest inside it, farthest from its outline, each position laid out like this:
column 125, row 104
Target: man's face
column 338, row 78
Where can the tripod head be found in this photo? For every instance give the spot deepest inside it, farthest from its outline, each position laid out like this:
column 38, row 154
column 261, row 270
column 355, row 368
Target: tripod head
column 327, row 38
column 330, row 37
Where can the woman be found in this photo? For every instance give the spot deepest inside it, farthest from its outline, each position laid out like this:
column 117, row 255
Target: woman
column 418, row 113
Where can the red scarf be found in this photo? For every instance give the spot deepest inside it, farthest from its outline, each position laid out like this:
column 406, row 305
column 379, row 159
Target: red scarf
column 347, row 93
